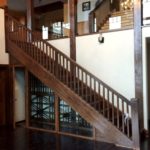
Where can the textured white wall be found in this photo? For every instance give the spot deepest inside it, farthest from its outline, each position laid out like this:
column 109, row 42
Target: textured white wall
column 3, row 56
column 146, row 33
column 83, row 15
column 112, row 61
column 62, row 44
column 19, row 95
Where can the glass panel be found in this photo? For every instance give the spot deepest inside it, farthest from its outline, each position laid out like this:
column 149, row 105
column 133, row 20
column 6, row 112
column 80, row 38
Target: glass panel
column 72, row 122
column 42, row 113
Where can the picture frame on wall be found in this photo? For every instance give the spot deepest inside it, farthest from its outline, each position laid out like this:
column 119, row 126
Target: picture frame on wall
column 86, row 6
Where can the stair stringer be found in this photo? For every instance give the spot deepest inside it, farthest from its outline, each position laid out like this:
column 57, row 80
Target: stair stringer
column 109, row 133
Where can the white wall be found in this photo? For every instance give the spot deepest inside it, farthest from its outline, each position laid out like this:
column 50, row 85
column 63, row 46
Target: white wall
column 83, row 15
column 19, row 95
column 112, row 62
column 62, row 44
column 146, row 33
column 3, row 56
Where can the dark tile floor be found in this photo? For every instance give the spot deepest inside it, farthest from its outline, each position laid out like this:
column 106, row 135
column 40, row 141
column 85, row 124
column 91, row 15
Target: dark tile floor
column 24, row 139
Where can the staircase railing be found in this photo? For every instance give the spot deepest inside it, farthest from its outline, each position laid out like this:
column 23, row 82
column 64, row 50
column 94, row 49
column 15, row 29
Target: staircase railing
column 115, row 107
column 101, row 13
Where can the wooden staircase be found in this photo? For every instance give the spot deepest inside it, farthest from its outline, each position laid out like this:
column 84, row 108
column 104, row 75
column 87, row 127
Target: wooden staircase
column 104, row 108
column 126, row 19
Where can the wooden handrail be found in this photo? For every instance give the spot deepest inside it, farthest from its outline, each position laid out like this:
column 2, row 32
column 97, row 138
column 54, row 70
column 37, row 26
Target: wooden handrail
column 114, row 106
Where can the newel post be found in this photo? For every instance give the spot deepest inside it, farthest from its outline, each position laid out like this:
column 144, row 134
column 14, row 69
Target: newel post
column 135, row 123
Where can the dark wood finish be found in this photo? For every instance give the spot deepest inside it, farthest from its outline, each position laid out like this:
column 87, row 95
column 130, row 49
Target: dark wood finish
column 25, row 139
column 27, row 98
column 135, row 123
column 73, row 27
column 85, row 110
column 57, row 113
column 14, row 62
column 13, row 98
column 91, row 22
column 101, row 12
column 30, row 12
column 98, row 103
column 138, row 57
column 5, row 96
column 48, row 8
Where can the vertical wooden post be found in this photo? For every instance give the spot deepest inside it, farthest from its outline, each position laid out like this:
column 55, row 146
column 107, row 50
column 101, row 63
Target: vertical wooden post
column 14, row 96
column 91, row 22
column 30, row 11
column 73, row 27
column 27, row 98
column 56, row 113
column 11, row 99
column 138, row 56
column 135, row 123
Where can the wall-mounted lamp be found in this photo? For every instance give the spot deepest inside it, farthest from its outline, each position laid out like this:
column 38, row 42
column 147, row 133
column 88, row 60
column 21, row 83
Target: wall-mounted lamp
column 100, row 38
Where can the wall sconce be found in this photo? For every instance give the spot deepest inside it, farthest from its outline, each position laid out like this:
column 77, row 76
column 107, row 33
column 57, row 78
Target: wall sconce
column 100, row 38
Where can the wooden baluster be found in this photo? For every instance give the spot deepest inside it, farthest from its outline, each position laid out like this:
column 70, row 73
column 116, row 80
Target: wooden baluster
column 82, row 85
column 40, row 52
column 135, row 123
column 118, row 123
column 95, row 103
column 60, row 75
column 78, row 80
column 86, row 90
column 46, row 57
column 113, row 118
column 90, row 89
column 99, row 97
column 123, row 121
column 108, row 111
column 67, row 68
column 53, row 66
column 63, row 67
column 56, row 64
column 74, row 77
column 36, row 51
column 128, row 126
column 50, row 60
column 103, row 100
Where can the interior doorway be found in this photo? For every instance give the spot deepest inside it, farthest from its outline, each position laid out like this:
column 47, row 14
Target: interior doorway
column 4, row 94
column 19, row 95
column 148, row 77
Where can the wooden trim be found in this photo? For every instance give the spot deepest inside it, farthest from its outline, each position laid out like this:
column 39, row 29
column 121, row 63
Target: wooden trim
column 73, row 27
column 138, row 57
column 75, row 101
column 78, row 136
column 56, row 113
column 13, row 100
column 30, row 12
column 135, row 123
column 27, row 97
column 60, row 133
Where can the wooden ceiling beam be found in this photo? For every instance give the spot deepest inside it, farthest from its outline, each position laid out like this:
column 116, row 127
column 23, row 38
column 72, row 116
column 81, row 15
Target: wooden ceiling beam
column 48, row 8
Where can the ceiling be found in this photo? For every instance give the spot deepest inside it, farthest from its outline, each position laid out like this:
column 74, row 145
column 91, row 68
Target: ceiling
column 20, row 5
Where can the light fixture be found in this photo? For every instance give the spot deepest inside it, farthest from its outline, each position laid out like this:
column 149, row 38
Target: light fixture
column 100, row 38
column 126, row 4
